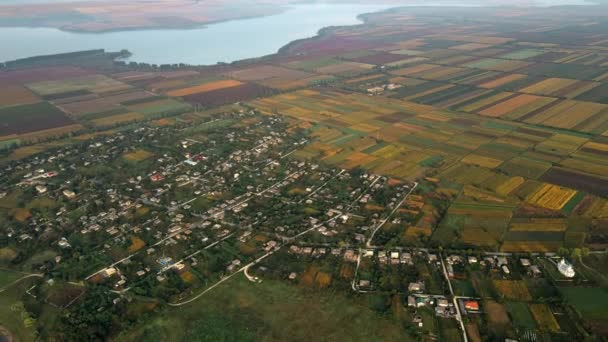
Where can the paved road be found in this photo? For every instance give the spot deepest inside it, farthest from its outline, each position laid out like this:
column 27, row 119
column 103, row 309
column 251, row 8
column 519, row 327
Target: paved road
column 249, row 198
column 454, row 301
column 242, row 269
column 223, row 280
column 369, row 241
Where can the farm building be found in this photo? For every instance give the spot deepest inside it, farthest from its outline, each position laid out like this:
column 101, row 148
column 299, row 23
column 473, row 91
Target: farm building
column 566, row 269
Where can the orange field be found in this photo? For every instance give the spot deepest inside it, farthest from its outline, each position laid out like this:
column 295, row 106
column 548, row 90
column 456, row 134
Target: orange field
column 203, row 88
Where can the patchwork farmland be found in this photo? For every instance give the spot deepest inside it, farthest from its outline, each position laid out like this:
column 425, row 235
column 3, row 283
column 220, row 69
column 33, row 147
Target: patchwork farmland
column 508, row 129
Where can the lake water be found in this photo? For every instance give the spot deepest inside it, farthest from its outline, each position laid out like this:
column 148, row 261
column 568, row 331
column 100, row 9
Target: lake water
column 222, row 42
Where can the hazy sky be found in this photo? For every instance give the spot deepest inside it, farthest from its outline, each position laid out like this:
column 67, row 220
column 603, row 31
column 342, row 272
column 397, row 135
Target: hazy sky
column 480, row 2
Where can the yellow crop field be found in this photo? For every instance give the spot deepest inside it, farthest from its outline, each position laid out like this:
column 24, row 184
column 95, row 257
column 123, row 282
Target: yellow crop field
column 509, row 105
column 507, row 187
column 502, row 80
column 551, row 196
column 577, row 113
column 596, row 146
column 513, row 289
column 595, row 168
column 203, row 88
column 387, row 152
column 554, row 110
column 597, row 208
column 548, row 86
column 526, row 109
column 482, row 161
column 544, row 317
column 473, row 107
column 540, row 225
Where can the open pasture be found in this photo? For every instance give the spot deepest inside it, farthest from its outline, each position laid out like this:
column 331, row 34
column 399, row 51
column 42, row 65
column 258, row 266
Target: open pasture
column 380, row 58
column 90, row 83
column 258, row 73
column 496, row 64
column 312, row 64
column 523, row 54
column 538, row 224
column 345, row 68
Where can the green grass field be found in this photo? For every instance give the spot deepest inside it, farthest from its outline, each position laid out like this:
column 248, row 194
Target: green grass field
column 270, row 311
column 12, row 315
column 8, row 276
column 520, row 315
column 590, row 302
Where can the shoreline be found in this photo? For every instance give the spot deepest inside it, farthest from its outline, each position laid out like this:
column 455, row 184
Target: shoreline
column 186, row 27
column 363, row 19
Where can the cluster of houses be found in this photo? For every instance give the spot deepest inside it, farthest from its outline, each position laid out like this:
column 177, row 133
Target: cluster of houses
column 380, row 89
column 441, row 305
column 349, row 254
